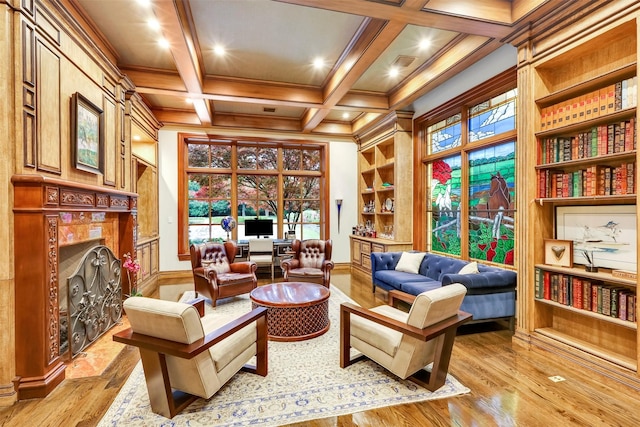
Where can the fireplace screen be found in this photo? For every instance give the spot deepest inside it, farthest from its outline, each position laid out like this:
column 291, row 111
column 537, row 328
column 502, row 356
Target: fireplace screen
column 94, row 300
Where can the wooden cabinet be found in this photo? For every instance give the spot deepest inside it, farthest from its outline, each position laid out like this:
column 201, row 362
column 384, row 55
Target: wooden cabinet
column 148, row 257
column 579, row 112
column 361, row 248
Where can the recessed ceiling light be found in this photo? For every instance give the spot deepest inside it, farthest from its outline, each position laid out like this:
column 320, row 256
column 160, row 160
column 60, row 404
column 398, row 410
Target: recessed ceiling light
column 145, row 3
column 318, row 63
column 189, row 101
column 163, row 43
column 393, row 72
column 153, row 23
column 345, row 115
column 136, row 137
column 219, row 50
column 425, row 43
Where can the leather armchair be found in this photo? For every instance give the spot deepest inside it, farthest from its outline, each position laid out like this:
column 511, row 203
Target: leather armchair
column 311, row 262
column 216, row 276
column 185, row 357
column 404, row 343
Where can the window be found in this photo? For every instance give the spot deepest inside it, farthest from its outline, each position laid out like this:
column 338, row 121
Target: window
column 273, row 180
column 468, row 150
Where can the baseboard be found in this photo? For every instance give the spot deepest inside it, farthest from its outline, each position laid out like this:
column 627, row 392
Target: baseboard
column 175, row 276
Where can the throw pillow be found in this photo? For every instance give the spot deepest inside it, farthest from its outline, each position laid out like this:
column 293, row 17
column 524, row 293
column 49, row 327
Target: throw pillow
column 471, row 268
column 410, row 262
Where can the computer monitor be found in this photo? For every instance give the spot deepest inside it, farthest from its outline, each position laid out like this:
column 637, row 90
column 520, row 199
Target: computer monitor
column 258, row 227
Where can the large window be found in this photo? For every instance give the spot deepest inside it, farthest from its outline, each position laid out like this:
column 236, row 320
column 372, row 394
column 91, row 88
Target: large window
column 249, row 179
column 468, row 152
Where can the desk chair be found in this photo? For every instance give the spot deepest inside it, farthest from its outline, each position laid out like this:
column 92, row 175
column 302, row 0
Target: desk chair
column 261, row 252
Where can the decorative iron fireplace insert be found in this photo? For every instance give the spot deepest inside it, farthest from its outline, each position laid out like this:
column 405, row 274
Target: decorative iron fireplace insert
column 93, row 302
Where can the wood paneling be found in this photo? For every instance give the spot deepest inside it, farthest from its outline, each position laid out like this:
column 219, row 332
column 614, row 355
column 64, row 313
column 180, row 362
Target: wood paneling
column 111, row 143
column 48, row 140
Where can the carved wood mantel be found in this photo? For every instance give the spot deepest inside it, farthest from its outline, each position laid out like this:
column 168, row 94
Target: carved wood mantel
column 38, row 203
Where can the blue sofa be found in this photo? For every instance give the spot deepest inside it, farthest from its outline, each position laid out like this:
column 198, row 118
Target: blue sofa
column 491, row 293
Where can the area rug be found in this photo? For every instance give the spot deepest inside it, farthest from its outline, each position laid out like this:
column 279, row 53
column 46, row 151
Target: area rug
column 305, row 382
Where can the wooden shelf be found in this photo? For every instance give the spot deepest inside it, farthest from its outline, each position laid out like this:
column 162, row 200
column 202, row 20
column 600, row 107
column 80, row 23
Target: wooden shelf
column 588, row 85
column 620, row 199
column 588, row 347
column 617, row 157
column 386, row 157
column 582, row 312
column 580, row 272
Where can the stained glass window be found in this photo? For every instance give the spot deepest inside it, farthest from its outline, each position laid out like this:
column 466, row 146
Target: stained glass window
column 445, row 134
column 491, row 203
column 445, row 205
column 493, row 117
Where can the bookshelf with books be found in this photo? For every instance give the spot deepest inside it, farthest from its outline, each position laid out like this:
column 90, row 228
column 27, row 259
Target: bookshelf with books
column 385, row 181
column 584, row 152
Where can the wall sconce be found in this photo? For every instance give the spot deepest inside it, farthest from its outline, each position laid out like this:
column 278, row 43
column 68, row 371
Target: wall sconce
column 339, row 206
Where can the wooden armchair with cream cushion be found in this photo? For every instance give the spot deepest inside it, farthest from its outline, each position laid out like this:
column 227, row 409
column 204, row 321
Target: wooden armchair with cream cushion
column 405, row 343
column 185, row 357
column 311, row 262
column 216, row 275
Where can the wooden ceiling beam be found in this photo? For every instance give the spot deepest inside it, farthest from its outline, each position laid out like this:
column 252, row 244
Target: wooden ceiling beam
column 177, row 33
column 407, row 14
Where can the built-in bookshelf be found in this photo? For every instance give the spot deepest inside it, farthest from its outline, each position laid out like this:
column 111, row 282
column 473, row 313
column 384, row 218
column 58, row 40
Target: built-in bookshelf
column 585, row 128
column 385, row 190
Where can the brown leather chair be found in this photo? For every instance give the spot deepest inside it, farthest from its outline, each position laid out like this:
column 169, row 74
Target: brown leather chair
column 216, row 276
column 311, row 262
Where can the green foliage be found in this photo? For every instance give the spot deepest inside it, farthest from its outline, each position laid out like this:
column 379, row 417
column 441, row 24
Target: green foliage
column 198, row 208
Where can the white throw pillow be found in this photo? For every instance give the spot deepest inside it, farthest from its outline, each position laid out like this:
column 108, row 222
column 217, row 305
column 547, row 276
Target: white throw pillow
column 471, row 268
column 410, row 262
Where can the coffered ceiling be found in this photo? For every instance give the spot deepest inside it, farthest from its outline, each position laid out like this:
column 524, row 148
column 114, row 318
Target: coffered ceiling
column 266, row 79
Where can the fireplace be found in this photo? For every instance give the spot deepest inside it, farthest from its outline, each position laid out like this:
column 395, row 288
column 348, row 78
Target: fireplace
column 90, row 296
column 57, row 224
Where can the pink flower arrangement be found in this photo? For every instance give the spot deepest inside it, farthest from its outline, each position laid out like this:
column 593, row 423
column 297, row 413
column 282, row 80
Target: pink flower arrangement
column 132, row 266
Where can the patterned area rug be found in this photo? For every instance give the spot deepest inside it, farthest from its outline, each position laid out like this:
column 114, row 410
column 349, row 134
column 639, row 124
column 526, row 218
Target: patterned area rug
column 305, row 382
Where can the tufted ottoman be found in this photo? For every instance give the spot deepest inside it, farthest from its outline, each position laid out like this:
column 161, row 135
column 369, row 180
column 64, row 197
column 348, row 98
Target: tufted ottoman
column 296, row 311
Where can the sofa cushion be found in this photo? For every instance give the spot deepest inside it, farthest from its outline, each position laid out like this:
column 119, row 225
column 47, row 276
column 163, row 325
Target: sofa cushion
column 397, row 278
column 410, row 262
column 416, row 288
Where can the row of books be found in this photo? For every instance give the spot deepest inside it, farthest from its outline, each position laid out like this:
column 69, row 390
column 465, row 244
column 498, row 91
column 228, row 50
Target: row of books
column 599, row 141
column 586, row 294
column 595, row 180
column 606, row 100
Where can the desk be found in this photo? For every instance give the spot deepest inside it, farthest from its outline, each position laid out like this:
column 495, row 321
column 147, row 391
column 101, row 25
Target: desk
column 296, row 311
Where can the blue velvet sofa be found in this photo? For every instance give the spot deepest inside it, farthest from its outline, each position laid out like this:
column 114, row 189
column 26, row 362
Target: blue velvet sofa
column 491, row 293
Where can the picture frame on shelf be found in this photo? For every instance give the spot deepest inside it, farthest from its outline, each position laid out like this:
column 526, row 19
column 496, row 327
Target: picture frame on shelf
column 87, row 135
column 602, row 235
column 558, row 252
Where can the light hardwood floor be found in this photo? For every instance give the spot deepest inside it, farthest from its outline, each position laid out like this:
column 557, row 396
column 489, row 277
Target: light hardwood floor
column 510, row 386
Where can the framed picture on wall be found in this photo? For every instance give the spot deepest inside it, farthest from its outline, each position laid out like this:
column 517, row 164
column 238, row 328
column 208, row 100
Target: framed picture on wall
column 558, row 252
column 87, row 134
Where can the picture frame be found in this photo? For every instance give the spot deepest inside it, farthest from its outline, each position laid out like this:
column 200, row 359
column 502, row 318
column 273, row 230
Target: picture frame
column 603, row 235
column 87, row 135
column 558, row 252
